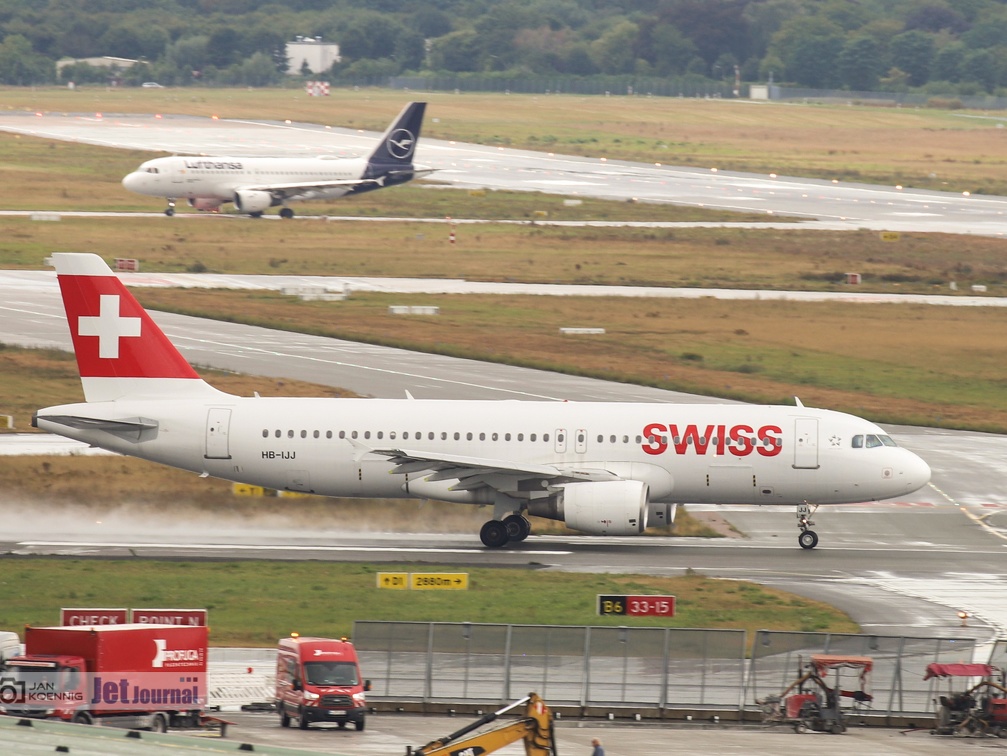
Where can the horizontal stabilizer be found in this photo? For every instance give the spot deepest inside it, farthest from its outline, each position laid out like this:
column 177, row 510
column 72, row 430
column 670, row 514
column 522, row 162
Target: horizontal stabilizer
column 130, row 428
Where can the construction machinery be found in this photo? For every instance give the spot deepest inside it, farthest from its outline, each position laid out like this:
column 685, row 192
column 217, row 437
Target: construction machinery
column 979, row 710
column 534, row 728
column 810, row 703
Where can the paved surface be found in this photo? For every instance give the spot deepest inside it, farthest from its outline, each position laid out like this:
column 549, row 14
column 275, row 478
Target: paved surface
column 463, row 165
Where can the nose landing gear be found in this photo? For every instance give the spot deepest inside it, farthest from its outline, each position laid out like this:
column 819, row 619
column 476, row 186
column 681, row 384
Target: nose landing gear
column 808, row 538
column 170, row 210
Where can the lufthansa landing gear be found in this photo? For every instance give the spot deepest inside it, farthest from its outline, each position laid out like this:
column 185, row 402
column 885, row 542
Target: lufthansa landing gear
column 808, row 537
column 497, row 533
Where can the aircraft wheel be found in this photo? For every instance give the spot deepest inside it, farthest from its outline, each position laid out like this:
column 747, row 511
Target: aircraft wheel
column 169, row 211
column 255, row 215
column 494, row 534
column 286, row 213
column 518, row 528
column 808, row 539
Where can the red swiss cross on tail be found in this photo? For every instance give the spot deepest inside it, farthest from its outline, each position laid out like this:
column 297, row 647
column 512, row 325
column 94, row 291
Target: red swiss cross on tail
column 120, row 350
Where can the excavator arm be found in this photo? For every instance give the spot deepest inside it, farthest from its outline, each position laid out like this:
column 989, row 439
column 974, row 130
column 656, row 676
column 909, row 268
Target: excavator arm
column 535, row 728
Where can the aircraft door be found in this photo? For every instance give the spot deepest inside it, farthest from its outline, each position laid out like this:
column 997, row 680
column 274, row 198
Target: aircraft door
column 806, row 443
column 561, row 441
column 580, row 441
column 218, row 422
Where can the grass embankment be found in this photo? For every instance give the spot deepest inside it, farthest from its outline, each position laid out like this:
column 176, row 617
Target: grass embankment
column 253, row 603
column 918, row 147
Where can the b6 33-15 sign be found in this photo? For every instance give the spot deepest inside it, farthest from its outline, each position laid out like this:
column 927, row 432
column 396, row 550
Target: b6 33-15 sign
column 636, row 606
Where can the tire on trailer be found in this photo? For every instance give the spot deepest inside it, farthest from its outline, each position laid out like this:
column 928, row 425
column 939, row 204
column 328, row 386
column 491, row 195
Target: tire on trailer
column 159, row 722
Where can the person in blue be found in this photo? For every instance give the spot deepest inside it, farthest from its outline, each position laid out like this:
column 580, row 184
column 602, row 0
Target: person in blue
column 598, row 750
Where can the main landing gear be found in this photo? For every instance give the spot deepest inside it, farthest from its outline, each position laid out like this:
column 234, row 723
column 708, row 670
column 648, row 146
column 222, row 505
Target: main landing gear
column 170, row 210
column 808, row 537
column 497, row 533
column 286, row 213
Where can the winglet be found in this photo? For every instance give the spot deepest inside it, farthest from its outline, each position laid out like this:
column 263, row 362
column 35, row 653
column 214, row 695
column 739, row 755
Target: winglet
column 120, row 350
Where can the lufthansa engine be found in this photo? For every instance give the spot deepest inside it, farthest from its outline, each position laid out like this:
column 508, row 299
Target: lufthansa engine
column 251, row 201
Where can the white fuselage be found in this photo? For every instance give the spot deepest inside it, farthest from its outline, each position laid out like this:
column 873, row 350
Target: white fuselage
column 684, row 453
column 218, row 178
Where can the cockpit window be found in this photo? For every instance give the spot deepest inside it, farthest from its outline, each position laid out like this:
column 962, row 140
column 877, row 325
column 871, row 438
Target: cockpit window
column 887, row 441
column 858, row 442
column 872, row 441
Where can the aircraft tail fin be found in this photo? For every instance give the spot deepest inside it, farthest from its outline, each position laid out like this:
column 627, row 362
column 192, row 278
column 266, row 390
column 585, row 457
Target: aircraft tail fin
column 121, row 352
column 398, row 144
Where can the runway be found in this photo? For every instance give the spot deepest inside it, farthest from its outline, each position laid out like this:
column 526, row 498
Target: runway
column 471, row 166
column 905, row 566
column 897, row 567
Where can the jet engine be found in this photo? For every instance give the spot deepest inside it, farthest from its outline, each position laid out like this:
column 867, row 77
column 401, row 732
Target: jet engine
column 251, row 201
column 205, row 203
column 611, row 507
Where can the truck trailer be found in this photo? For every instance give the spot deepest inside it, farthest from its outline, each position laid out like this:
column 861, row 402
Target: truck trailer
column 136, row 676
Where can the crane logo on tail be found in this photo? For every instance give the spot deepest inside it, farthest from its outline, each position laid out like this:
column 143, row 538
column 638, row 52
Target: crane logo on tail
column 401, row 143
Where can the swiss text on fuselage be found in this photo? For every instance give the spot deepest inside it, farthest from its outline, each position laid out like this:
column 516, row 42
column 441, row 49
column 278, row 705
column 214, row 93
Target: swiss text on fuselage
column 739, row 440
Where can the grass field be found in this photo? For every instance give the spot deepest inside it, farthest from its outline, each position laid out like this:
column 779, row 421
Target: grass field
column 917, row 147
column 253, row 603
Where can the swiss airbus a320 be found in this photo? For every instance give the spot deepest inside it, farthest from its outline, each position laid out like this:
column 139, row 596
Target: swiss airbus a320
column 601, row 468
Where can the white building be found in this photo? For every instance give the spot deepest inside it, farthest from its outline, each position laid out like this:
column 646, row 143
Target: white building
column 319, row 56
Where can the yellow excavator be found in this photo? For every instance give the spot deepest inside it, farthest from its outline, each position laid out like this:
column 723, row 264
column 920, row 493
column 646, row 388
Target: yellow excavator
column 535, row 728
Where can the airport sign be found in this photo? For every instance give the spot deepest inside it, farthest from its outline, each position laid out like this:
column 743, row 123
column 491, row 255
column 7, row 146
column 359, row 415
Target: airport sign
column 439, row 581
column 396, row 581
column 636, row 606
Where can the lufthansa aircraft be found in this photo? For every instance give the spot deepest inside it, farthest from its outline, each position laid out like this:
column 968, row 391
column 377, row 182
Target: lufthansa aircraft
column 255, row 184
column 602, row 468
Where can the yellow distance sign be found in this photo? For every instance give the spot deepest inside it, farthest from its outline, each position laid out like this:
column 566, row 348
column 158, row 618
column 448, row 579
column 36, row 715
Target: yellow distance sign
column 890, row 236
column 439, row 581
column 396, row 581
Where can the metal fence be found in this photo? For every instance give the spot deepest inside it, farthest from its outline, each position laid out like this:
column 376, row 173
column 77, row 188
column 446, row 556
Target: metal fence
column 650, row 668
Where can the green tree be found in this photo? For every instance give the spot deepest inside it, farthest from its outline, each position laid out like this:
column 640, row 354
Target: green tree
column 20, row 65
column 948, row 62
column 458, row 51
column 913, row 52
column 666, row 48
column 980, row 66
column 614, row 52
column 860, row 64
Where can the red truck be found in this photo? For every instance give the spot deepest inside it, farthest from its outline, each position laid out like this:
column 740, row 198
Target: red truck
column 135, row 676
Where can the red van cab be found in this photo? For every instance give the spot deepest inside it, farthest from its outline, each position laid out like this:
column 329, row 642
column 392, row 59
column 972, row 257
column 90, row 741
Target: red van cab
column 318, row 680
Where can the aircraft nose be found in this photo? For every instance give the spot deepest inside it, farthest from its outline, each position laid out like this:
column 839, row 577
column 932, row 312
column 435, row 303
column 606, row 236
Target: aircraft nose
column 917, row 473
column 133, row 181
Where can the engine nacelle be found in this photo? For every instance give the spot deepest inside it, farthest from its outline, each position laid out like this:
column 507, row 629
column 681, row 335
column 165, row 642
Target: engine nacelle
column 611, row 507
column 205, row 203
column 252, row 201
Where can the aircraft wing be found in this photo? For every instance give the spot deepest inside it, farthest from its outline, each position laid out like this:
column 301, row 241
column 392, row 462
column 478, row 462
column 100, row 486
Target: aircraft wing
column 286, row 191
column 474, row 472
